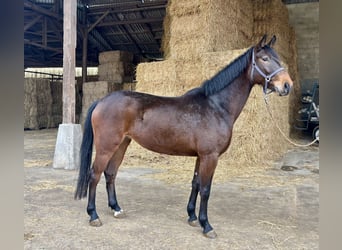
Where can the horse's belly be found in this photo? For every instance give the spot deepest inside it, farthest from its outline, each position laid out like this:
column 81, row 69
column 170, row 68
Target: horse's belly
column 165, row 139
column 166, row 149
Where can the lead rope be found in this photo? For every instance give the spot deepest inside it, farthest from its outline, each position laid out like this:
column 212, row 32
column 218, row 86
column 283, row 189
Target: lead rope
column 283, row 134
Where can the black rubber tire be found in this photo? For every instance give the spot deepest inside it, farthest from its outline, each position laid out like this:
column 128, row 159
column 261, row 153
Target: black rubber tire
column 315, row 133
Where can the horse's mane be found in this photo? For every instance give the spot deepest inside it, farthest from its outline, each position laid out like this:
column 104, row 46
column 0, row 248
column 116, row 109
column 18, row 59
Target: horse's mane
column 228, row 74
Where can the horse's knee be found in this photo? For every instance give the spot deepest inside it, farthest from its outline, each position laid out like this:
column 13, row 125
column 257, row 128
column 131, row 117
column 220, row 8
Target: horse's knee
column 109, row 178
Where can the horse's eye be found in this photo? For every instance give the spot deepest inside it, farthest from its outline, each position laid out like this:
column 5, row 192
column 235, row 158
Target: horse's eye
column 265, row 58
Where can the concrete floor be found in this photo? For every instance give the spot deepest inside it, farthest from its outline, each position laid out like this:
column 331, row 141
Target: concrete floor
column 278, row 213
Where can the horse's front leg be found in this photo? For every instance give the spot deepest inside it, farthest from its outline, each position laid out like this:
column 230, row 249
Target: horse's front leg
column 193, row 197
column 206, row 171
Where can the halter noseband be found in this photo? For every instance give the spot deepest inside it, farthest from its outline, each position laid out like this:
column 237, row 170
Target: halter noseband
column 266, row 77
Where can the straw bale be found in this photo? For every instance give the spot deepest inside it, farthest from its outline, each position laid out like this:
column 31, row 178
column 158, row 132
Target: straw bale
column 230, row 24
column 188, row 40
column 113, row 71
column 212, row 62
column 129, row 86
column 157, row 77
column 295, row 101
column 196, row 27
column 271, row 17
column 165, row 43
column 93, row 91
column 187, row 8
column 189, row 74
column 115, row 56
column 57, row 103
column 37, row 103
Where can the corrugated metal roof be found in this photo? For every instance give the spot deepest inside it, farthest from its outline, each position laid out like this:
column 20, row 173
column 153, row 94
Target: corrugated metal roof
column 132, row 25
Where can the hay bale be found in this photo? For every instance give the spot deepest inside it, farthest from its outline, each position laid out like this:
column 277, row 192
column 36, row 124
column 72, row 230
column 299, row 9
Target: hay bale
column 37, row 103
column 93, row 91
column 202, row 26
column 112, row 71
column 230, row 24
column 129, row 86
column 115, row 56
column 57, row 103
column 116, row 66
column 157, row 77
column 214, row 61
column 271, row 17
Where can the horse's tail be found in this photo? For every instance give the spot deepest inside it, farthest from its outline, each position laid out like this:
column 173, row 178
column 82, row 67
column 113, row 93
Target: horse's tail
column 86, row 154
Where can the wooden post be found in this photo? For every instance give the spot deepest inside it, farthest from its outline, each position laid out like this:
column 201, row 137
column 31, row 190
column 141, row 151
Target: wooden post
column 69, row 137
column 69, row 50
column 85, row 46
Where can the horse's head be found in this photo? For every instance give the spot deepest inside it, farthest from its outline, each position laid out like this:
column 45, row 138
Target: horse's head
column 266, row 69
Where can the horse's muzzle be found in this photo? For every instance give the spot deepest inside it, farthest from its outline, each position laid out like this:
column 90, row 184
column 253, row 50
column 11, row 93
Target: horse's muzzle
column 285, row 90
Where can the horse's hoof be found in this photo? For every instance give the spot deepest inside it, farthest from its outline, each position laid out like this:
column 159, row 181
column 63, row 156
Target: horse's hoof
column 119, row 214
column 211, row 234
column 194, row 223
column 95, row 223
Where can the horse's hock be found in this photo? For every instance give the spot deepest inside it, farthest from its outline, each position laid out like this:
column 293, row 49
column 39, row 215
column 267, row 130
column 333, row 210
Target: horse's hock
column 202, row 37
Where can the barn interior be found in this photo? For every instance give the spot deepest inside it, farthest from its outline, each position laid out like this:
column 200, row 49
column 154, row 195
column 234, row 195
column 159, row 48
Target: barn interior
column 167, row 47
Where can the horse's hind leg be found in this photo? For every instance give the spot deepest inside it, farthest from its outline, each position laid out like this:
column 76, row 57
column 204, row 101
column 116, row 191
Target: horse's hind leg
column 193, row 197
column 100, row 163
column 110, row 174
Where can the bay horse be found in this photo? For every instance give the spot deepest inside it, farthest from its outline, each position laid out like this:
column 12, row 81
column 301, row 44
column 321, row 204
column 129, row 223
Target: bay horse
column 198, row 124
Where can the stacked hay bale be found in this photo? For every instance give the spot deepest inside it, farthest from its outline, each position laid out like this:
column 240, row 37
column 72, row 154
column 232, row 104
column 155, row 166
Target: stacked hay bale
column 114, row 70
column 191, row 29
column 93, row 91
column 115, row 66
column 195, row 27
column 201, row 37
column 37, row 103
column 271, row 17
column 57, row 103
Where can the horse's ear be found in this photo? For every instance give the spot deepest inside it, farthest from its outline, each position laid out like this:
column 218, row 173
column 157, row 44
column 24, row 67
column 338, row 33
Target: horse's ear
column 261, row 43
column 272, row 41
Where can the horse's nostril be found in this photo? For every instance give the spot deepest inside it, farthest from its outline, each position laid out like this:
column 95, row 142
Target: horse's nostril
column 287, row 86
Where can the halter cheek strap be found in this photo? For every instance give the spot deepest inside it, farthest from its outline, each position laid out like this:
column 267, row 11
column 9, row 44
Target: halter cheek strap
column 266, row 77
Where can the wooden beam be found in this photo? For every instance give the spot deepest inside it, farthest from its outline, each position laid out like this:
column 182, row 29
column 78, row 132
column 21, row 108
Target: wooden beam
column 32, row 22
column 125, row 4
column 26, row 41
column 44, row 32
column 98, row 20
column 69, row 51
column 84, row 47
column 122, row 10
column 133, row 21
column 41, row 10
column 58, row 31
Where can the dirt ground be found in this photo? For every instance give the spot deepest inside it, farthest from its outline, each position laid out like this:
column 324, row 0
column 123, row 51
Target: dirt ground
column 274, row 208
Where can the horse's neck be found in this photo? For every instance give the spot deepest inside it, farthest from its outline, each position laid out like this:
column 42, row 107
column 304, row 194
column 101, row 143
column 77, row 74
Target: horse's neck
column 235, row 95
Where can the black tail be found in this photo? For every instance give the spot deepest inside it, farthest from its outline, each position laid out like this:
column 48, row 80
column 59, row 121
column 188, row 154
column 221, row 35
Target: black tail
column 86, row 153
